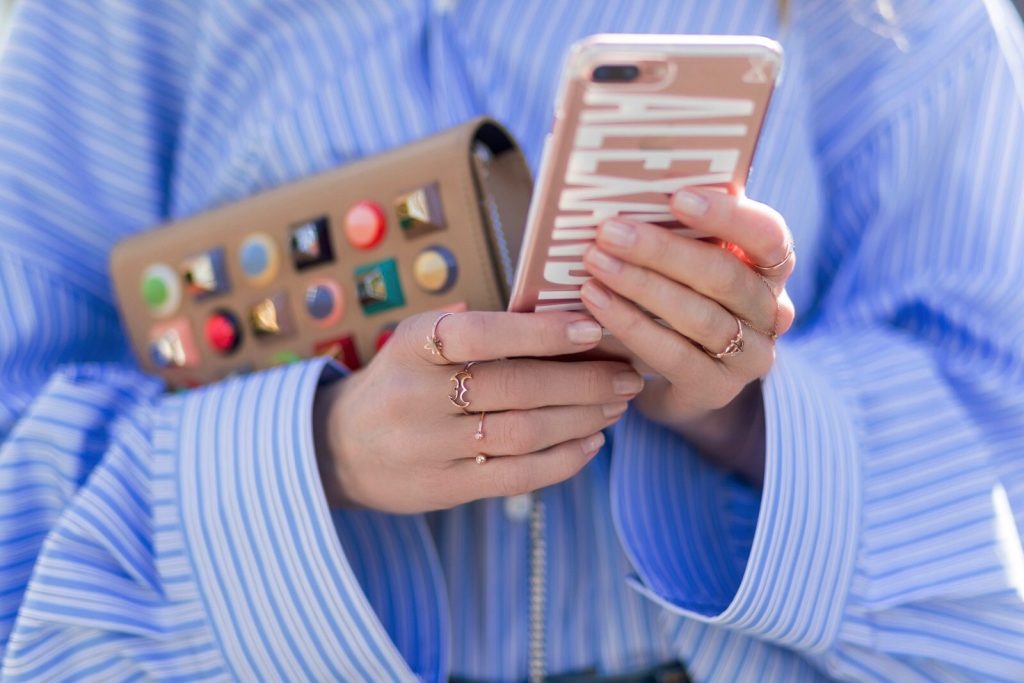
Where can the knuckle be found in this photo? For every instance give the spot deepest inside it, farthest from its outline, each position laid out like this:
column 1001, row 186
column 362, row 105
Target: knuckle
column 517, row 432
column 572, row 461
column 654, row 242
column 594, row 382
column 511, row 481
column 506, row 384
column 725, row 276
column 706, row 323
column 462, row 338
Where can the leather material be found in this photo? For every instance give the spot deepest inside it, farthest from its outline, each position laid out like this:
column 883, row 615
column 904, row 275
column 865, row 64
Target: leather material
column 484, row 187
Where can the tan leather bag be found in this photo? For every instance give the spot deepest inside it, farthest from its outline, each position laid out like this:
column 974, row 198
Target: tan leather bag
column 328, row 264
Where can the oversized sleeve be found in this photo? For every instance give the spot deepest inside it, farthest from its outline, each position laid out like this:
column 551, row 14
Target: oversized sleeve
column 885, row 544
column 142, row 534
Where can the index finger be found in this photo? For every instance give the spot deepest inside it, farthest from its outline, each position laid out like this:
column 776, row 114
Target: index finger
column 481, row 335
column 757, row 229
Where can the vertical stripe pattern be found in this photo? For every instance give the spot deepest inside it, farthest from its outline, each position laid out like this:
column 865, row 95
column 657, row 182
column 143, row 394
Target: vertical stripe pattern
column 184, row 537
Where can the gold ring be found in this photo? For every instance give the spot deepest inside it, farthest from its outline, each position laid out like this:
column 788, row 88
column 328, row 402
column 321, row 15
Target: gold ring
column 773, row 269
column 459, row 388
column 734, row 346
column 434, row 343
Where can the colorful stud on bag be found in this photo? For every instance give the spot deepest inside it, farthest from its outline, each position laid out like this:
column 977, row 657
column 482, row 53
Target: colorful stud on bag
column 285, row 358
column 259, row 259
column 160, row 289
column 324, row 302
column 171, row 345
column 365, row 225
column 342, row 349
column 378, row 288
column 384, row 335
column 205, row 274
column 311, row 244
column 271, row 317
column 419, row 212
column 435, row 269
column 222, row 331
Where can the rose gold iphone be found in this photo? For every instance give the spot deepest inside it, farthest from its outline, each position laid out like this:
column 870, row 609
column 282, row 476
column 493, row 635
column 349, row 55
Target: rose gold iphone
column 637, row 118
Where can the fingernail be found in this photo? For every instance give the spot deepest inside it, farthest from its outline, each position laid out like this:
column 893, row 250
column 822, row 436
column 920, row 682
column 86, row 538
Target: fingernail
column 594, row 294
column 603, row 261
column 614, row 409
column 618, row 234
column 689, row 203
column 584, row 332
column 593, row 444
column 627, row 383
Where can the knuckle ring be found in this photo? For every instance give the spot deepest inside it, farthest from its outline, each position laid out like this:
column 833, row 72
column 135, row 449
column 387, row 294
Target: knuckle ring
column 734, row 346
column 775, row 268
column 458, row 393
column 434, row 343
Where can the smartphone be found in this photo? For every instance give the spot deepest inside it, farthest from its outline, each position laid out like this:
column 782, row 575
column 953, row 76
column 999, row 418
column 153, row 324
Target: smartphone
column 637, row 118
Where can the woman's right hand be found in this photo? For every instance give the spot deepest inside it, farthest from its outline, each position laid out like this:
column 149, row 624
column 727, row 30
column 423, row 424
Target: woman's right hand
column 389, row 438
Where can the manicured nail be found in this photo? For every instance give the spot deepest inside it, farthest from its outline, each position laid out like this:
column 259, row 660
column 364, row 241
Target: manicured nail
column 593, row 444
column 614, row 409
column 595, row 294
column 584, row 332
column 603, row 261
column 619, row 234
column 627, row 383
column 689, row 203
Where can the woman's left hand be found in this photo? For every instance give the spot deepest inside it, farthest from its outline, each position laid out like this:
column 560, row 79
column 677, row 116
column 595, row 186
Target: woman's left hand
column 713, row 300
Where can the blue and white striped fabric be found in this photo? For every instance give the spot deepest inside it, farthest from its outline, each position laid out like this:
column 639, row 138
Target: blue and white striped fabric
column 146, row 536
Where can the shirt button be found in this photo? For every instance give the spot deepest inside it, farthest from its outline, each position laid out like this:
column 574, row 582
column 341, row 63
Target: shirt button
column 517, row 508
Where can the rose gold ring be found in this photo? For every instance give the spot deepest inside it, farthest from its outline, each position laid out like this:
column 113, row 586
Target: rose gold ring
column 774, row 269
column 458, row 393
column 480, row 431
column 734, row 346
column 434, row 343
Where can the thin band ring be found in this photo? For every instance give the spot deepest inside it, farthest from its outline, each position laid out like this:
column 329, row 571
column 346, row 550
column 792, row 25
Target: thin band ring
column 775, row 268
column 434, row 343
column 734, row 346
column 480, row 428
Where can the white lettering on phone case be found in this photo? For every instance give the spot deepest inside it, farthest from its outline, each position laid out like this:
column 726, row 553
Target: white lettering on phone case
column 591, row 195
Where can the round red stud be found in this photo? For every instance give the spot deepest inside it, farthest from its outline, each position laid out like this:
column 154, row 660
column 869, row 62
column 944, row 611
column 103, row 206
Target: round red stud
column 222, row 331
column 365, row 225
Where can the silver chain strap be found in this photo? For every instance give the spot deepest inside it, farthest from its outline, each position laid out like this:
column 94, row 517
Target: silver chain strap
column 538, row 589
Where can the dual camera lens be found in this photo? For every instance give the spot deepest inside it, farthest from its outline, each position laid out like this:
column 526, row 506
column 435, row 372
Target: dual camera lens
column 615, row 73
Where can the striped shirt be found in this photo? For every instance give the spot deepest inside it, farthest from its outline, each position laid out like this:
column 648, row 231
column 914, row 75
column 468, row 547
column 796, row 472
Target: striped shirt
column 186, row 537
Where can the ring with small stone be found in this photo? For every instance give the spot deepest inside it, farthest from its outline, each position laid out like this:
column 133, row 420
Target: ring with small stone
column 734, row 346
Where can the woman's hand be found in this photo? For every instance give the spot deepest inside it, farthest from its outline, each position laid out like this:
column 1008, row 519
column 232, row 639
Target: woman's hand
column 390, row 439
column 710, row 297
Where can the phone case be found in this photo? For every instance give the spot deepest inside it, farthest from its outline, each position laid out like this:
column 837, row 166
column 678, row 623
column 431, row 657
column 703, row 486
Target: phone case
column 691, row 117
column 329, row 264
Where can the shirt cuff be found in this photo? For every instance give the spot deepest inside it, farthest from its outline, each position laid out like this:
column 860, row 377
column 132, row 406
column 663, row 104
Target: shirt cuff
column 248, row 514
column 702, row 546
